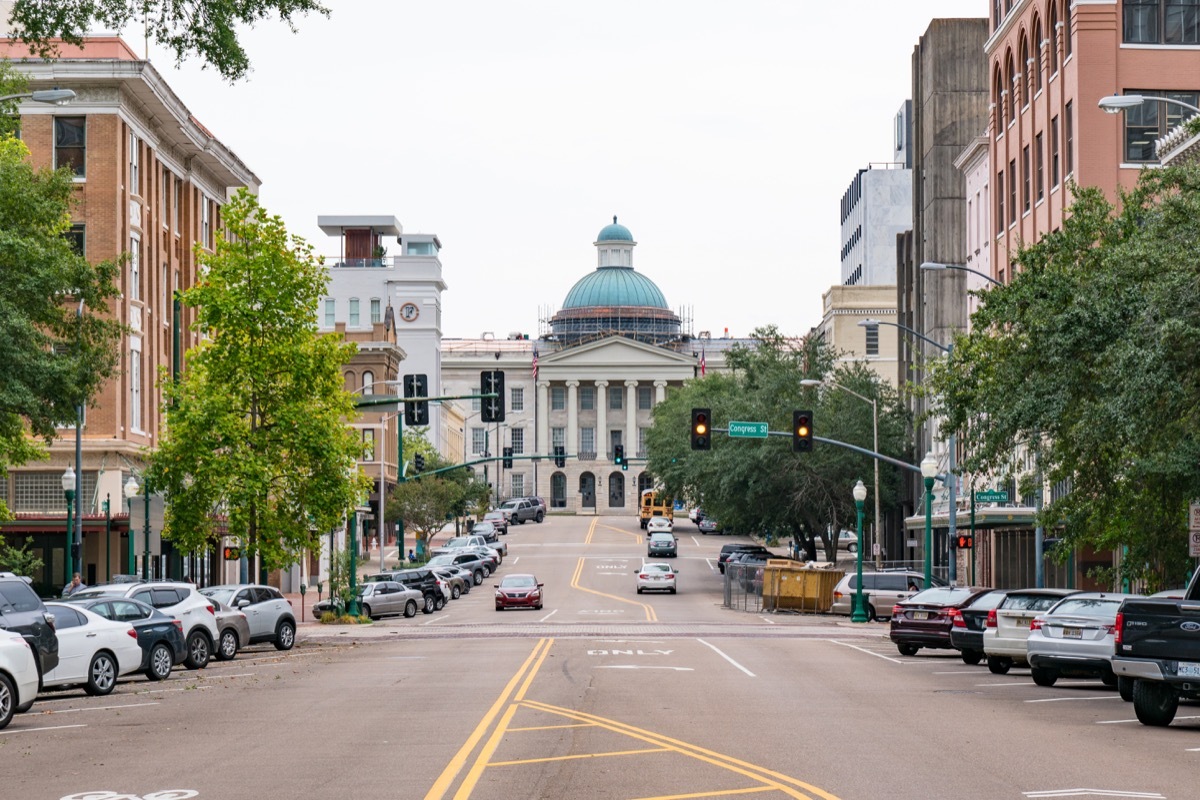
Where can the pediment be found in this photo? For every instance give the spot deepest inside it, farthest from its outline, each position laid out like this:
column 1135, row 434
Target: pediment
column 617, row 352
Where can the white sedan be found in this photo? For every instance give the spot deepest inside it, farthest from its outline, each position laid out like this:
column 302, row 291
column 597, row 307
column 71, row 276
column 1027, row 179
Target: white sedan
column 656, row 576
column 18, row 676
column 92, row 651
column 659, row 525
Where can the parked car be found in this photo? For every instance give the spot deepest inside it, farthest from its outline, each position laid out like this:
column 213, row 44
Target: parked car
column 709, row 525
column 968, row 622
column 180, row 600
column 457, row 580
column 662, row 544
column 381, row 598
column 92, row 651
column 847, row 540
column 267, row 610
column 1006, row 634
column 482, row 535
column 427, row 582
column 519, row 591
column 729, row 549
column 883, row 589
column 1075, row 637
column 499, row 520
column 233, row 629
column 541, row 503
column 23, row 612
column 18, row 675
column 659, row 525
column 470, row 560
column 522, row 510
column 696, row 515
column 655, row 576
column 159, row 635
column 926, row 618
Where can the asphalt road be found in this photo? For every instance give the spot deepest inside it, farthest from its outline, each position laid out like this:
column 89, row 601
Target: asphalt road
column 602, row 694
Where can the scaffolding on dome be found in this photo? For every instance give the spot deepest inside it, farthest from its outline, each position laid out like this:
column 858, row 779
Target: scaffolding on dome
column 575, row 326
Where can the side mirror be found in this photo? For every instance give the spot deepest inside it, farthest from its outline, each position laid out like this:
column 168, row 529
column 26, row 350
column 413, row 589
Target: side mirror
column 540, row 585
column 495, row 586
column 243, row 603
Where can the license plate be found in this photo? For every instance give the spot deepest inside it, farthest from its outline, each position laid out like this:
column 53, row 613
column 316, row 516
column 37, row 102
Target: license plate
column 920, row 615
column 1072, row 633
column 1188, row 670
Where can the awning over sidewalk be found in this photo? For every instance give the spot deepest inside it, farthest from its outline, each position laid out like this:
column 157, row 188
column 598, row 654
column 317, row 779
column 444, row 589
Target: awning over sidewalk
column 990, row 517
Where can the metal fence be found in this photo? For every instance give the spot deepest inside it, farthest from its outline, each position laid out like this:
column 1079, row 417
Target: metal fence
column 743, row 587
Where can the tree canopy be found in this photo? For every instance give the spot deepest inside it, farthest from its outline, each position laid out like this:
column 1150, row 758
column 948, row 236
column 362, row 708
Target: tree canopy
column 205, row 28
column 257, row 437
column 1090, row 358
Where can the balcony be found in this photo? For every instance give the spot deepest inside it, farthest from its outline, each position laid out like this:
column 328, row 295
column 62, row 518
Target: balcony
column 361, row 263
column 587, row 455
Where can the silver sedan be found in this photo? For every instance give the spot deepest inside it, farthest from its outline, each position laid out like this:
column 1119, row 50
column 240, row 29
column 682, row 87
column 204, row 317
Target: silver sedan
column 1075, row 637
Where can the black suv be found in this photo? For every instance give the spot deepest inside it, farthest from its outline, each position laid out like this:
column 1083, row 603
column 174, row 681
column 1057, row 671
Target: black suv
column 425, row 581
column 23, row 612
column 729, row 549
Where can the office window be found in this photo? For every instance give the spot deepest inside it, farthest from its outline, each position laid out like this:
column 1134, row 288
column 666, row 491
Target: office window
column 175, row 210
column 164, row 195
column 1152, row 120
column 70, row 144
column 1039, row 171
column 1026, row 179
column 518, row 441
column 1012, row 191
column 330, row 312
column 1069, row 136
column 135, row 268
column 77, row 239
column 615, row 394
column 353, row 313
column 1054, row 151
column 587, row 440
column 135, row 389
column 368, row 436
column 135, row 166
column 558, row 398
column 478, row 440
column 558, row 437
column 1066, row 31
column 1052, row 32
column 1000, row 201
column 518, row 485
column 872, row 339
column 641, row 448
column 645, row 397
column 368, row 382
column 376, row 311
column 517, row 400
column 163, row 290
column 587, row 398
column 475, row 402
column 205, row 222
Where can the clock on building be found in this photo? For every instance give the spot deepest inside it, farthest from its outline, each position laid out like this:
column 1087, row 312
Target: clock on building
column 409, row 312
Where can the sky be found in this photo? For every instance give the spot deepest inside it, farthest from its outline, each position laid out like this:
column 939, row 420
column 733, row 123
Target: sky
column 722, row 134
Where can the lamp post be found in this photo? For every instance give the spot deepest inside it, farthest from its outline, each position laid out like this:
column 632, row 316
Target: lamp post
column 146, row 552
column 951, row 478
column 131, row 490
column 929, row 473
column 936, row 266
column 860, row 609
column 874, row 446
column 68, row 486
column 1116, row 103
column 58, row 97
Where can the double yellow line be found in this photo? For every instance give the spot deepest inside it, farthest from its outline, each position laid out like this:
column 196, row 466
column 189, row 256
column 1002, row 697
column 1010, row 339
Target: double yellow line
column 649, row 609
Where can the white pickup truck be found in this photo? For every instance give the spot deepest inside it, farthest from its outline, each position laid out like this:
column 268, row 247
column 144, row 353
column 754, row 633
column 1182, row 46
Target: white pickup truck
column 476, row 540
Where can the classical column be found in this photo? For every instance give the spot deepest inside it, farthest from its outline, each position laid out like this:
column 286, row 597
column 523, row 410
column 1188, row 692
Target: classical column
column 545, row 446
column 660, row 391
column 572, row 443
column 602, row 420
column 631, row 419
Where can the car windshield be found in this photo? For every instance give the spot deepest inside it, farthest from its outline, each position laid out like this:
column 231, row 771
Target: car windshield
column 516, row 581
column 458, row 541
column 987, row 602
column 100, row 592
column 364, row 589
column 14, row 598
column 224, row 595
column 1103, row 607
column 1029, row 602
column 440, row 561
column 662, row 537
column 510, row 505
column 941, row 596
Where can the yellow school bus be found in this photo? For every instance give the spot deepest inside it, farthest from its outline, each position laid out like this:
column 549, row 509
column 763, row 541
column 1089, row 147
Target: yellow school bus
column 655, row 504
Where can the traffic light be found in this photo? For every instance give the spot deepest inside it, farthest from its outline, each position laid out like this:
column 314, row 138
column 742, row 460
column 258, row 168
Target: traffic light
column 619, row 454
column 419, row 462
column 492, row 408
column 416, row 413
column 232, row 553
column 701, row 429
column 508, row 451
column 964, row 541
column 802, row 431
column 560, row 456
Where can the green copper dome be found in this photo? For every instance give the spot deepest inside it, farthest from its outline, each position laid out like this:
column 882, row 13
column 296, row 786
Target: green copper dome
column 614, row 286
column 614, row 233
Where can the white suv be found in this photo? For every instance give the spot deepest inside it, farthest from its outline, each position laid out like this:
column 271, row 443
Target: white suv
column 181, row 601
column 267, row 610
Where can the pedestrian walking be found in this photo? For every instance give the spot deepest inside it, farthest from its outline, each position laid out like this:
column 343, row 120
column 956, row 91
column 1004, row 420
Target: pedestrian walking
column 74, row 586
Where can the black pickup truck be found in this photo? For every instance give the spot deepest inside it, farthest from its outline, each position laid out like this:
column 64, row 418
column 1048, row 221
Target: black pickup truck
column 1157, row 653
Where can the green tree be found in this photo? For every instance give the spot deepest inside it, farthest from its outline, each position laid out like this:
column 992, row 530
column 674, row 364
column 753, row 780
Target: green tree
column 57, row 344
column 206, row 28
column 256, row 425
column 424, row 505
column 1090, row 358
column 19, row 560
column 11, row 82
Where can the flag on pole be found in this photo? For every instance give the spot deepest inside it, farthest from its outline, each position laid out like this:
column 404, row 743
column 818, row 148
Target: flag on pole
column 702, row 362
column 535, row 362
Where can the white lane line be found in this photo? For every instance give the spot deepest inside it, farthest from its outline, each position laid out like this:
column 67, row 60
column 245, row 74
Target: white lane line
column 1061, row 699
column 727, row 658
column 1010, row 683
column 958, row 672
column 438, row 618
column 868, row 652
column 639, row 666
column 99, row 708
column 710, row 563
column 695, row 542
column 548, row 616
column 767, row 620
column 515, row 560
column 1094, row 792
column 1122, row 721
column 35, row 730
column 406, row 658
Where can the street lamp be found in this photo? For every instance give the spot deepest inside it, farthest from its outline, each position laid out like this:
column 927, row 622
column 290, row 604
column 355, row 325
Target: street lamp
column 1116, row 103
column 934, row 266
column 951, row 456
column 875, row 446
column 68, row 486
column 860, row 610
column 131, row 490
column 58, row 97
column 929, row 467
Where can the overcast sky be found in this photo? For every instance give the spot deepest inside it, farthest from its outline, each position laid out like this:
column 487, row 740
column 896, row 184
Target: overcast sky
column 722, row 134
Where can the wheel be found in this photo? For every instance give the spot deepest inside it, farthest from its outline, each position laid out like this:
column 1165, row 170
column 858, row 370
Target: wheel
column 285, row 635
column 999, row 665
column 640, row 590
column 199, row 650
column 366, row 610
column 410, row 609
column 439, row 603
column 852, row 548
column 1125, row 688
column 227, row 648
column 487, row 571
column 477, row 577
column 1154, row 703
column 672, row 590
column 161, row 661
column 972, row 657
column 907, row 649
column 499, row 608
column 1043, row 677
column 538, row 519
column 871, row 613
column 21, row 709
column 430, row 604
column 102, row 675
column 455, row 592
column 1108, row 679
column 8, row 700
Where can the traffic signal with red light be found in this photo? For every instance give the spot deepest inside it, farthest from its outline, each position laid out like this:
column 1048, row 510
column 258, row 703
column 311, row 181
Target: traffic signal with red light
column 802, row 431
column 964, row 541
column 701, row 428
column 232, row 553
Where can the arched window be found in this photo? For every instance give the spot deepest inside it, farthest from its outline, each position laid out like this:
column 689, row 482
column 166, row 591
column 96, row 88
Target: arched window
column 368, row 382
column 1052, row 38
column 349, row 380
column 998, row 100
column 1066, row 29
column 1010, row 85
column 1023, row 64
column 1036, row 65
column 558, row 490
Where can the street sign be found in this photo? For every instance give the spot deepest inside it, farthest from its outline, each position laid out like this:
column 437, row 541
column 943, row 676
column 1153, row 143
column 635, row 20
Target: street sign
column 991, row 496
column 1194, row 544
column 748, row 430
column 1194, row 516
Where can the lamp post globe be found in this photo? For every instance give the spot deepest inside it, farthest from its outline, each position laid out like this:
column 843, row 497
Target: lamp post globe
column 68, row 487
column 130, row 490
column 859, row 614
column 929, row 473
